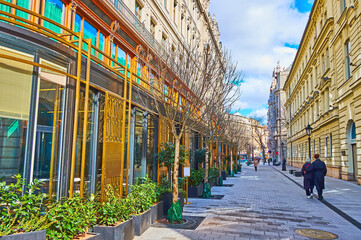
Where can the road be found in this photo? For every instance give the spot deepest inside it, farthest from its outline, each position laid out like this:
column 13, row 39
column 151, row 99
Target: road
column 261, row 205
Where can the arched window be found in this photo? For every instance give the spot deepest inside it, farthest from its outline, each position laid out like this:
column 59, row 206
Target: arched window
column 353, row 133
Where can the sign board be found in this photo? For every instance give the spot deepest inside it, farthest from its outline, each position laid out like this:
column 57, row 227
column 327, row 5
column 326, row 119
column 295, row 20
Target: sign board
column 187, row 171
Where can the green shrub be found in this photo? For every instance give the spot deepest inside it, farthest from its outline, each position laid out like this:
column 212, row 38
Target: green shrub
column 113, row 209
column 196, row 177
column 71, row 218
column 166, row 155
column 20, row 206
column 143, row 194
column 213, row 173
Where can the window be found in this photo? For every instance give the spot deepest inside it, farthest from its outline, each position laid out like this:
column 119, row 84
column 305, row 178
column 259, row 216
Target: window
column 152, row 27
column 164, row 41
column 54, row 10
column 90, row 32
column 348, row 73
column 138, row 10
column 327, row 59
column 323, row 64
column 330, row 146
column 342, row 5
column 326, row 146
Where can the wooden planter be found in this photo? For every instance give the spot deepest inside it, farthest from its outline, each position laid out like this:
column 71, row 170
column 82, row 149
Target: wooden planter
column 142, row 222
column 122, row 231
column 38, row 235
column 156, row 212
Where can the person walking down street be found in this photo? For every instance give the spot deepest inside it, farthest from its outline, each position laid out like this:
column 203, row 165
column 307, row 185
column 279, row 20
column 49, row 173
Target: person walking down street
column 284, row 164
column 319, row 172
column 307, row 174
column 255, row 164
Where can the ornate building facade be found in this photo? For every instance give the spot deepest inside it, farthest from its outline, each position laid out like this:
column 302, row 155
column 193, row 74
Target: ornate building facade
column 277, row 127
column 71, row 70
column 323, row 89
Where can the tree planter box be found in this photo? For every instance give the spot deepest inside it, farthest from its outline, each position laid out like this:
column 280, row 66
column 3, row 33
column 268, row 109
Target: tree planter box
column 142, row 222
column 297, row 174
column 194, row 192
column 212, row 183
column 291, row 171
column 38, row 235
column 156, row 212
column 123, row 231
column 224, row 175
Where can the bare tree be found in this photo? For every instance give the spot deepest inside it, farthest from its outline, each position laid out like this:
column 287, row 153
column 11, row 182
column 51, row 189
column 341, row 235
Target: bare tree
column 259, row 135
column 183, row 87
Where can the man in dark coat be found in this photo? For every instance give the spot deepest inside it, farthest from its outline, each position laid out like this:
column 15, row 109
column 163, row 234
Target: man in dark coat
column 319, row 172
column 307, row 174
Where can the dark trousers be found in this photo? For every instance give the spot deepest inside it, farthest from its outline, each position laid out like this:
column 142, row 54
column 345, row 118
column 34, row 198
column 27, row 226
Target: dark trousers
column 255, row 168
column 319, row 192
column 309, row 191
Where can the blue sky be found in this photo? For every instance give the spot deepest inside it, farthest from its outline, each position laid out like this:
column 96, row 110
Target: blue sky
column 259, row 33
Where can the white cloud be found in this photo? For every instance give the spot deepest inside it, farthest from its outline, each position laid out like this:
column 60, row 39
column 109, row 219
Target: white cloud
column 256, row 32
column 259, row 113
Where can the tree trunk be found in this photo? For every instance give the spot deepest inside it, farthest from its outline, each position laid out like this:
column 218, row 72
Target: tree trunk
column 206, row 167
column 220, row 164
column 231, row 161
column 176, row 169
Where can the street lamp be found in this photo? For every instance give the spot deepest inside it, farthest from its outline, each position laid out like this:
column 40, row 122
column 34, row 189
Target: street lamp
column 309, row 131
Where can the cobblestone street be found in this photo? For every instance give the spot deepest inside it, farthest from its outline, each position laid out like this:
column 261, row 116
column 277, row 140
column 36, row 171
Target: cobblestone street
column 260, row 205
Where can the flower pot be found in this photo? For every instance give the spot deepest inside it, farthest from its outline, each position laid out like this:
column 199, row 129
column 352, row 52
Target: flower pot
column 217, row 181
column 142, row 222
column 38, row 235
column 212, row 183
column 200, row 190
column 156, row 212
column 192, row 192
column 224, row 175
column 124, row 230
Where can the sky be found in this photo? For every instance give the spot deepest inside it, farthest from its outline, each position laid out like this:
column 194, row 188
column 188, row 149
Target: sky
column 259, row 33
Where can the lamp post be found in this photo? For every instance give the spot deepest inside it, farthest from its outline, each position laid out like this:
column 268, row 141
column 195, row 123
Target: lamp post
column 282, row 156
column 309, row 131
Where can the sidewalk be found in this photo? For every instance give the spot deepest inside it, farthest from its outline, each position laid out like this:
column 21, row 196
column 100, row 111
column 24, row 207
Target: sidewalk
column 344, row 195
column 261, row 205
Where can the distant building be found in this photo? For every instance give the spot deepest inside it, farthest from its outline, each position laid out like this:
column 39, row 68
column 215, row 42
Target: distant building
column 277, row 137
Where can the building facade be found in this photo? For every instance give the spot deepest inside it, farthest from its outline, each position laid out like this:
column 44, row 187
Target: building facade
column 276, row 116
column 323, row 90
column 254, row 136
column 69, row 112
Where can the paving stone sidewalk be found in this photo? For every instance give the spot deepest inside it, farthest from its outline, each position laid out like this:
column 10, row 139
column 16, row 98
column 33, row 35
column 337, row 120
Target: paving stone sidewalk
column 261, row 205
column 344, row 195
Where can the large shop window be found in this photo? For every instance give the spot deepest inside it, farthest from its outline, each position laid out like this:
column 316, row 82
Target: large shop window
column 15, row 94
column 54, row 10
column 25, row 4
column 94, row 141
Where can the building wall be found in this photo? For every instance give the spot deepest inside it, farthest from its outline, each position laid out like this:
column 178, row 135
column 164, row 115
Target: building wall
column 44, row 134
column 323, row 88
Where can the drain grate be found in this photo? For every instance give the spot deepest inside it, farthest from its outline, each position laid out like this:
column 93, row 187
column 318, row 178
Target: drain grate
column 191, row 223
column 316, row 234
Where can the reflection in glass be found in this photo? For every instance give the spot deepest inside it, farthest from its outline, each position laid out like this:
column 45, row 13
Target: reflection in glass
column 138, row 144
column 48, row 134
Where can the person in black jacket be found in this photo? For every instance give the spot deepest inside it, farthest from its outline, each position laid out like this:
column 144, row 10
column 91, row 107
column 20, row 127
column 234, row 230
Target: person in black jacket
column 319, row 172
column 307, row 174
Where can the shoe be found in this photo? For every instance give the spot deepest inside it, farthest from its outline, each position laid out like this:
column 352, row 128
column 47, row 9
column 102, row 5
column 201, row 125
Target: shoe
column 309, row 197
column 320, row 198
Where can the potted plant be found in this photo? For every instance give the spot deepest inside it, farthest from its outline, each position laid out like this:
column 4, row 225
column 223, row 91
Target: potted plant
column 143, row 195
column 195, row 183
column 114, row 216
column 213, row 176
column 22, row 204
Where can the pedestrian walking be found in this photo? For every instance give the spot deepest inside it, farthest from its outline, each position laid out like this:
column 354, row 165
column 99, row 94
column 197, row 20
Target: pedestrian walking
column 307, row 174
column 255, row 164
column 284, row 164
column 319, row 172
